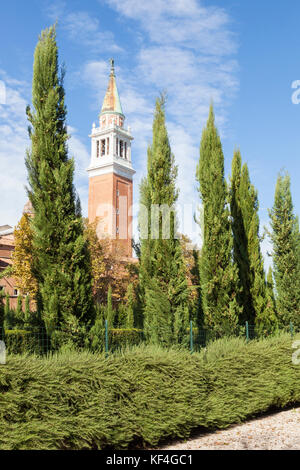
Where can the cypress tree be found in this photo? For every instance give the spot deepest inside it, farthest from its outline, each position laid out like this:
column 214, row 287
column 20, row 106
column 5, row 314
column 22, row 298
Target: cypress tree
column 61, row 257
column 96, row 337
column 240, row 226
column 266, row 321
column 110, row 312
column 284, row 235
column 162, row 268
column 121, row 316
column 158, row 315
column 19, row 310
column 8, row 314
column 247, row 252
column 258, row 282
column 218, row 272
column 130, row 306
column 145, row 265
column 27, row 312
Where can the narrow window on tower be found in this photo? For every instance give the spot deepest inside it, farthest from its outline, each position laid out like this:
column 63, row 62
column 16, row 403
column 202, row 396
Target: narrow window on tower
column 102, row 147
column 117, row 149
column 125, row 150
column 121, row 148
column 98, row 148
column 107, row 145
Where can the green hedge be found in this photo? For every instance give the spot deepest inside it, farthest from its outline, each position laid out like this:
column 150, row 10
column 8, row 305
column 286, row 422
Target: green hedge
column 24, row 341
column 144, row 395
column 118, row 338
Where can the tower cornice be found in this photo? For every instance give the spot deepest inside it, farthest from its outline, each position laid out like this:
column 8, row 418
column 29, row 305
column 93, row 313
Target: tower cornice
column 99, row 131
column 115, row 167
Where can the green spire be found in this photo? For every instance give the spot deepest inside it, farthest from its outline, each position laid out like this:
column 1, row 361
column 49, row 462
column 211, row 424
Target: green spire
column 112, row 103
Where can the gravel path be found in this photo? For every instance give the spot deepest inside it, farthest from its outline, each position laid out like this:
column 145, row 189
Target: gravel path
column 280, row 431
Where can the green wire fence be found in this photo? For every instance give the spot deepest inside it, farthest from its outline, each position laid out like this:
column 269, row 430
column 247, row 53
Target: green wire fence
column 109, row 340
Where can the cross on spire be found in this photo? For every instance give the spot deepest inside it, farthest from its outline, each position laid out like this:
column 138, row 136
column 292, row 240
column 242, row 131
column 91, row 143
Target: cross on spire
column 112, row 66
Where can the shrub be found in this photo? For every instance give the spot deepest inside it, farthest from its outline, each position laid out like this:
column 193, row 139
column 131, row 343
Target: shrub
column 122, row 337
column 22, row 341
column 145, row 394
column 117, row 338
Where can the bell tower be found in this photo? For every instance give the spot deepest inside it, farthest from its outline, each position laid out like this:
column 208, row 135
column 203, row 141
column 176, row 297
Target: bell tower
column 110, row 171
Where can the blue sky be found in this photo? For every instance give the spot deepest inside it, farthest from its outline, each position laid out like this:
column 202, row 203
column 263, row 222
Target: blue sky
column 242, row 54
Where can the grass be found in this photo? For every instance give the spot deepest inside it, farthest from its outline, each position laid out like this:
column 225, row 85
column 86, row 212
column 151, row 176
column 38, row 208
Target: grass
column 143, row 395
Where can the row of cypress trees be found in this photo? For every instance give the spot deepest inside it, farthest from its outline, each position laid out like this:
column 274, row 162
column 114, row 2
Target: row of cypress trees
column 12, row 318
column 232, row 280
column 233, row 286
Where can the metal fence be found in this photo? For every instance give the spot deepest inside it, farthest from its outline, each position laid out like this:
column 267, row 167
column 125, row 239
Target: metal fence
column 19, row 341
column 108, row 340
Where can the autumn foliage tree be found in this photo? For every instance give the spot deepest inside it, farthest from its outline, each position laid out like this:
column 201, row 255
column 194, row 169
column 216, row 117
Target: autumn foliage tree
column 108, row 267
column 22, row 257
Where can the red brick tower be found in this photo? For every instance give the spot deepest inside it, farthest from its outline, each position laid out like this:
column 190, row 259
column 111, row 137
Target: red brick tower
column 110, row 171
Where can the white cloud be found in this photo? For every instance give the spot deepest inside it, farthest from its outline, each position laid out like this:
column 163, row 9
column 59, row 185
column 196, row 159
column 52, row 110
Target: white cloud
column 88, row 31
column 181, row 46
column 188, row 50
column 13, row 144
column 266, row 244
column 81, row 27
column 183, row 22
column 81, row 156
column 55, row 10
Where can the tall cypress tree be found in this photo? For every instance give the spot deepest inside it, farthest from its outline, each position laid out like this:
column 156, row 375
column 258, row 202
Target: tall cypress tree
column 162, row 267
column 61, row 257
column 247, row 252
column 9, row 316
column 286, row 242
column 266, row 320
column 218, row 272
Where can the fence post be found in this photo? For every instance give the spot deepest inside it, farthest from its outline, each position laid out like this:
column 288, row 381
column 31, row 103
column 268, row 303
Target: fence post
column 247, row 331
column 292, row 329
column 191, row 338
column 106, row 338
